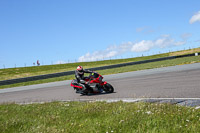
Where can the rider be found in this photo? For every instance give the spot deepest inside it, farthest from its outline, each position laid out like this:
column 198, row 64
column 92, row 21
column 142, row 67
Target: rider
column 79, row 74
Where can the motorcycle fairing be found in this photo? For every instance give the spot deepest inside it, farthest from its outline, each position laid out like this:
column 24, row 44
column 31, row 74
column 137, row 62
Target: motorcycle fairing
column 74, row 83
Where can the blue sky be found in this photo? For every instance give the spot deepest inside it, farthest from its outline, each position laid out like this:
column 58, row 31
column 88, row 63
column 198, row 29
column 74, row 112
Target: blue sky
column 62, row 31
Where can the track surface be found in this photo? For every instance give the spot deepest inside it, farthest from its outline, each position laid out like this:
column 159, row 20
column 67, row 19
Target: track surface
column 170, row 82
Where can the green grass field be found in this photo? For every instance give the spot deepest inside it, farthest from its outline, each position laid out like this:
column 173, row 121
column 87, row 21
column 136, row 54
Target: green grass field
column 98, row 117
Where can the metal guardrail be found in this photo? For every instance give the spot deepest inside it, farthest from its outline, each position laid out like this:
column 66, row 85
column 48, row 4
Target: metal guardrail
column 34, row 78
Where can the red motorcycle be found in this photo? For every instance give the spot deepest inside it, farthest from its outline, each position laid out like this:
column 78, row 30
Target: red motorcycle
column 95, row 83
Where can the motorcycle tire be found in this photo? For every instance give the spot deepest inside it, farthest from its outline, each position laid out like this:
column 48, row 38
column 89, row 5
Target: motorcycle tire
column 108, row 88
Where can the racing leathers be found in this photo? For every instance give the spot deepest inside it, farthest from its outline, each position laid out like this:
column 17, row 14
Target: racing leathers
column 81, row 79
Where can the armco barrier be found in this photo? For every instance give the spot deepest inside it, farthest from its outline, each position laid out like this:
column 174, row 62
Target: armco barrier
column 33, row 78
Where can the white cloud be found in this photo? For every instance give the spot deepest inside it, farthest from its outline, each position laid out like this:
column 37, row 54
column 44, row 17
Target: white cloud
column 164, row 41
column 142, row 46
column 98, row 55
column 161, row 42
column 195, row 18
column 109, row 52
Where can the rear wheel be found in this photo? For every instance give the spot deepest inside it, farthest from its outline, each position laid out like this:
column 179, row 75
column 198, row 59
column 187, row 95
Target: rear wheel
column 108, row 88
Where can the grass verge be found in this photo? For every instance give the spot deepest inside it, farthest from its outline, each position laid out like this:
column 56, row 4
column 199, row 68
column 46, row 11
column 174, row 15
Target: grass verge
column 173, row 62
column 98, row 117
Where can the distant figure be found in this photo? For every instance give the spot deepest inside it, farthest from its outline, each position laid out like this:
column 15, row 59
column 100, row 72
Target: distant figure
column 38, row 63
column 34, row 63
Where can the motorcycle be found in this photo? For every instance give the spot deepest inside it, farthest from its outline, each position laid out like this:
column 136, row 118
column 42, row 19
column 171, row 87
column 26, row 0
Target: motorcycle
column 95, row 83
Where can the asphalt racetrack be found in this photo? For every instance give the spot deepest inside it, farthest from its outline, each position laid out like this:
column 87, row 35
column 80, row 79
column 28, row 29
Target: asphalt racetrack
column 181, row 81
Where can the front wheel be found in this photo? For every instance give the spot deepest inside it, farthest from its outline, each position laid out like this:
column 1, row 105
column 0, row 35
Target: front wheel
column 108, row 88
